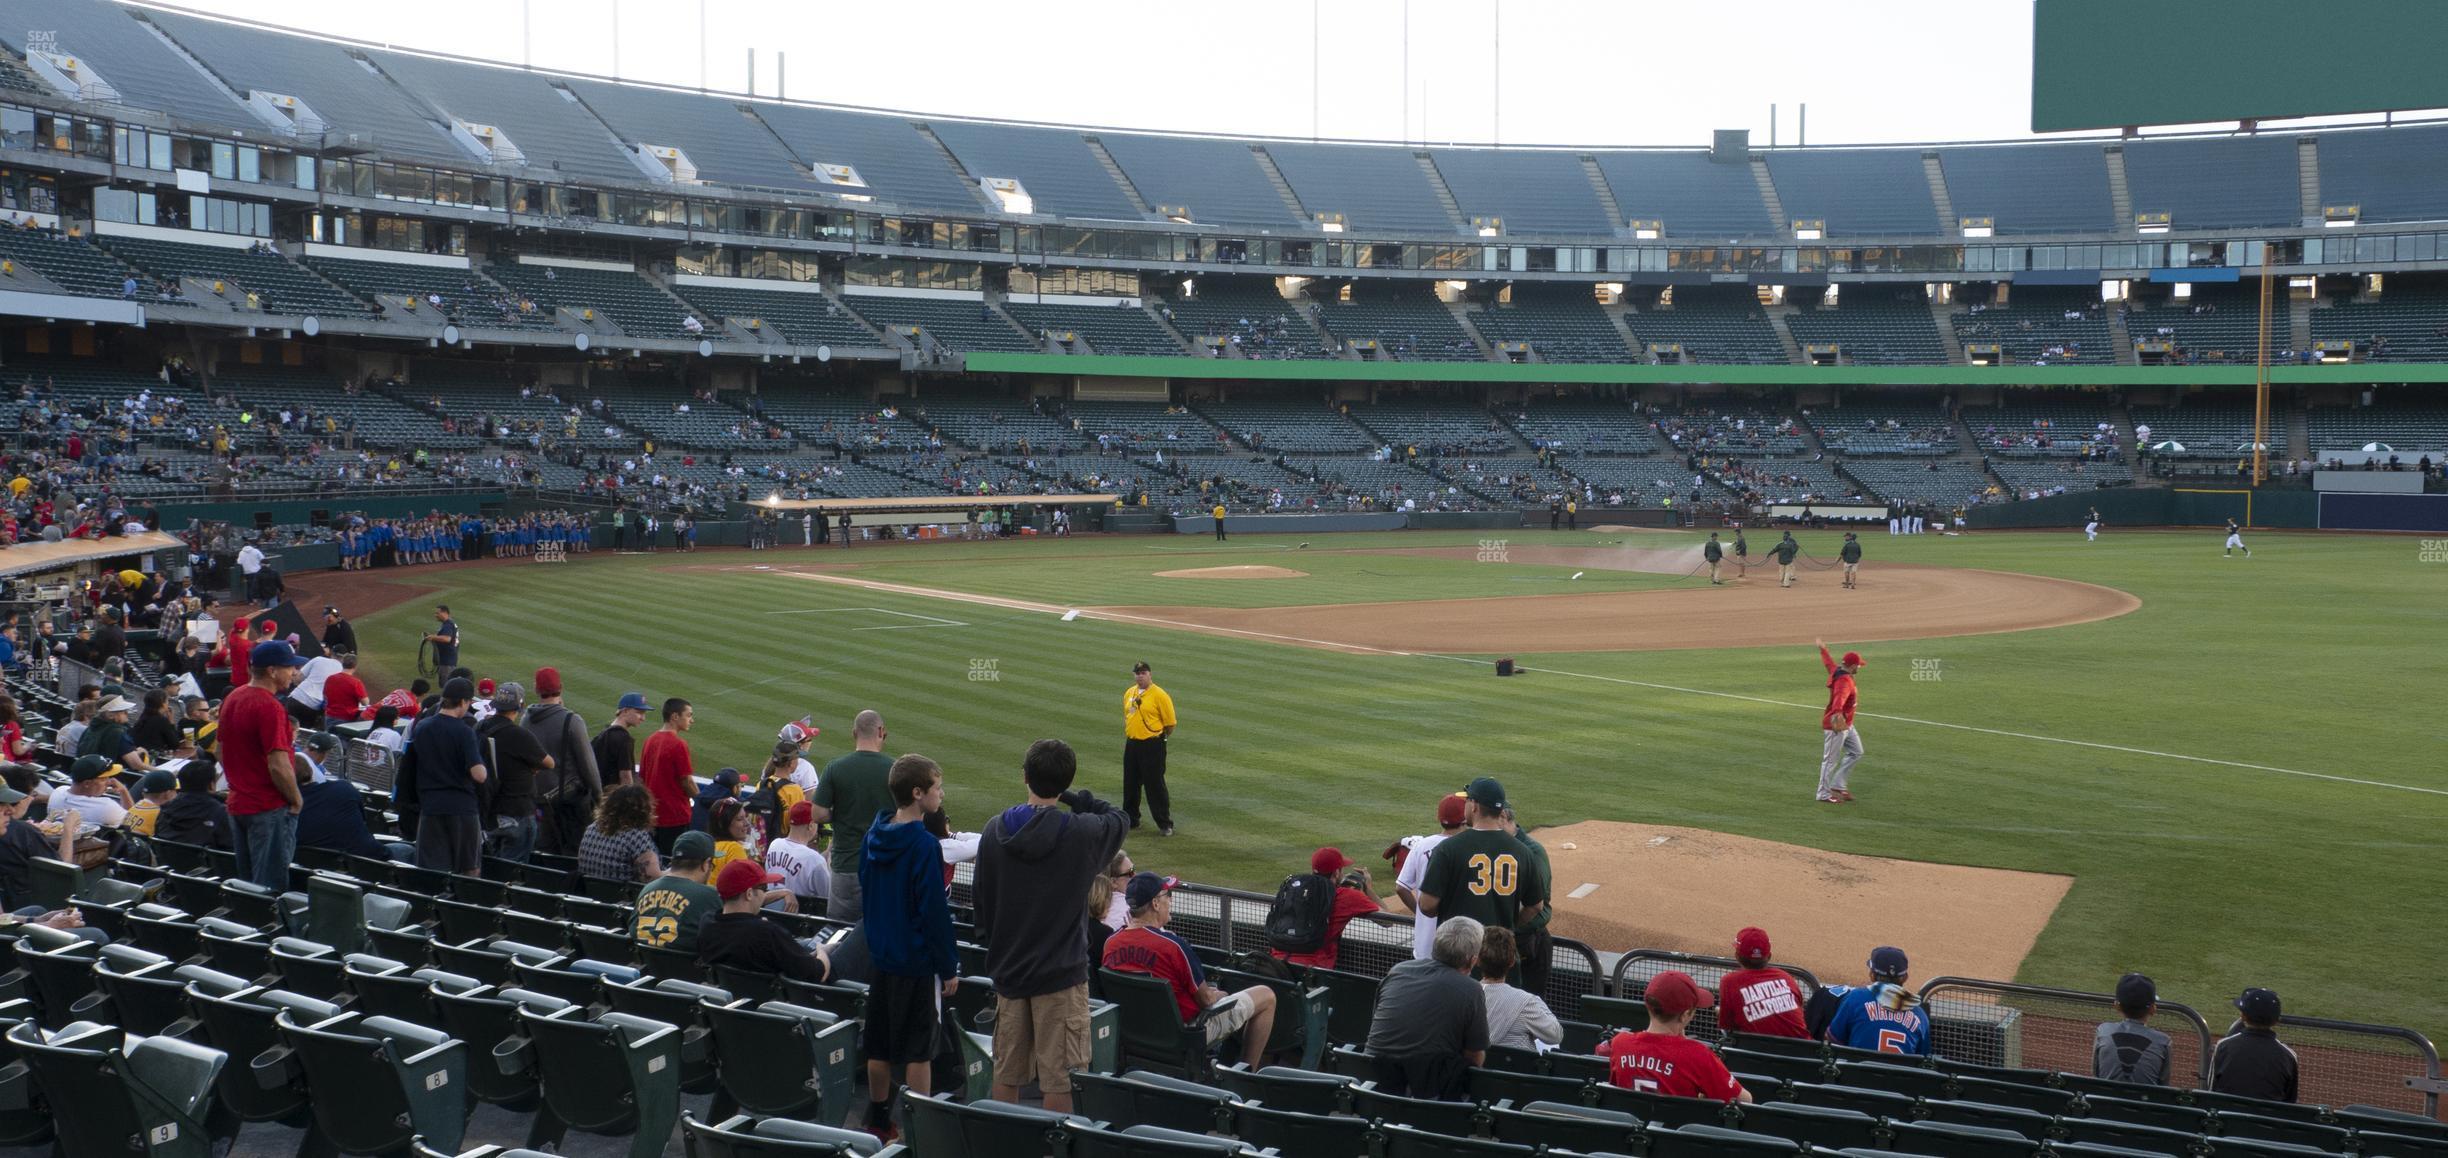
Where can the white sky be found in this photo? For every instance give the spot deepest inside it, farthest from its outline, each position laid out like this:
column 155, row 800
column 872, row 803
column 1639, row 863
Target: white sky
column 1580, row 72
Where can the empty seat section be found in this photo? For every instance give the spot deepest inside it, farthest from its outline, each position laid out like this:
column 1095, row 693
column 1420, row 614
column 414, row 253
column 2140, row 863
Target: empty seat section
column 349, row 96
column 2405, row 322
column 896, row 161
column 2031, row 188
column 2388, row 174
column 1781, row 480
column 2053, row 324
column 1505, row 479
column 1062, row 177
column 369, row 418
column 1874, row 325
column 1941, row 482
column 281, row 286
column 1145, row 426
column 618, row 296
column 2228, row 182
column 1729, row 429
column 148, row 73
column 995, row 422
column 800, row 318
column 1250, row 317
column 1243, row 480
column 553, row 132
column 1885, row 427
column 1725, row 327
column 1857, row 192
column 724, row 142
column 2217, row 324
column 959, row 324
column 674, row 414
column 1372, row 187
column 1217, row 182
column 2206, row 430
column 1560, row 323
column 468, row 299
column 1585, row 427
column 70, row 263
column 1289, row 427
column 2048, row 476
column 2414, row 427
column 1532, row 191
column 1435, row 429
column 1123, row 327
column 1406, row 321
column 1351, row 482
column 842, row 421
column 1688, row 193
column 2026, row 425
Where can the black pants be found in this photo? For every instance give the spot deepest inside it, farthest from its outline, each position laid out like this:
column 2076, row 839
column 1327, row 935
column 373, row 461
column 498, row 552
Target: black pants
column 1537, row 950
column 1219, row 530
column 1143, row 766
column 1437, row 1077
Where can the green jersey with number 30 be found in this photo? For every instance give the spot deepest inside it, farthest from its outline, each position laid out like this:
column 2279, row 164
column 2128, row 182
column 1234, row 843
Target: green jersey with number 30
column 1484, row 875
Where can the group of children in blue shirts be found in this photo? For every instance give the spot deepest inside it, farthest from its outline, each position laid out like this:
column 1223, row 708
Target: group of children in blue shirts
column 366, row 543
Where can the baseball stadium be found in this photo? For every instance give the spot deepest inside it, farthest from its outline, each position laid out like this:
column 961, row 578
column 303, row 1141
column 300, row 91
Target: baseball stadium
column 518, row 579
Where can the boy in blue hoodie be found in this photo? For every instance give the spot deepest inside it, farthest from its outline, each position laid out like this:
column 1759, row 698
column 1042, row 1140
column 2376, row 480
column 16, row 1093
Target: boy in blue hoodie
column 910, row 945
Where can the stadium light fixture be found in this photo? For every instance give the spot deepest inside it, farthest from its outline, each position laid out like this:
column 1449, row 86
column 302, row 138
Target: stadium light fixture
column 1978, row 227
column 2149, row 223
column 2341, row 216
column 1648, row 230
column 1809, row 229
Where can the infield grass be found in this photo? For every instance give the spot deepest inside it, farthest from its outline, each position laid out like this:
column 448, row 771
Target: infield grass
column 2319, row 655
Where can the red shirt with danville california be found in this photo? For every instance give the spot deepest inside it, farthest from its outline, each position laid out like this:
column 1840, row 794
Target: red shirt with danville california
column 253, row 726
column 1765, row 1001
column 1670, row 1064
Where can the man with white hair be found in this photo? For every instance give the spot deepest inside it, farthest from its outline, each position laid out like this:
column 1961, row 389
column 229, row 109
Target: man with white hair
column 1431, row 1023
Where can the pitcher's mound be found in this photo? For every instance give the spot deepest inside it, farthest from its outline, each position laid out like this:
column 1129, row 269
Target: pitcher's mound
column 1689, row 889
column 1237, row 571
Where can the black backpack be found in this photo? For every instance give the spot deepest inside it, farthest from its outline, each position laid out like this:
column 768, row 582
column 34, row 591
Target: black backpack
column 1303, row 907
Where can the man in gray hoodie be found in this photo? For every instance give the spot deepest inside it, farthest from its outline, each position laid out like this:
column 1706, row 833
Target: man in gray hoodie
column 1033, row 867
column 566, row 796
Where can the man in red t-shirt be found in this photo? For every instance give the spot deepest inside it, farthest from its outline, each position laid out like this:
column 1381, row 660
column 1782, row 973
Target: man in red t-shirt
column 344, row 695
column 1758, row 998
column 664, row 767
column 1351, row 898
column 1664, row 1060
column 255, row 742
column 1143, row 946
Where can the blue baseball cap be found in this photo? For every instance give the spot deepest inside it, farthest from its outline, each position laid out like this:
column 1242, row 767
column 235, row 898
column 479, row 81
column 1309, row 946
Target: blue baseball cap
column 274, row 653
column 1888, row 961
column 636, row 701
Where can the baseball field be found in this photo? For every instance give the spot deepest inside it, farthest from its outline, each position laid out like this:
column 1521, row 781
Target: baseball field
column 2224, row 772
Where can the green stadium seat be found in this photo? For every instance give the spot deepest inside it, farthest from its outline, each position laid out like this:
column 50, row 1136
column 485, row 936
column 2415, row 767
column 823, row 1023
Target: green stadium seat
column 578, row 987
column 1285, row 1088
column 1351, row 1000
column 1567, row 1126
column 1911, row 1081
column 60, row 969
column 1493, row 1085
column 2127, row 1134
column 2262, row 1127
column 1153, row 1034
column 239, row 1019
column 1458, row 1119
column 1152, row 1099
column 113, row 1093
column 940, row 1128
column 2383, row 1144
column 1301, row 1011
column 2392, row 1121
column 2232, row 1103
column 2089, row 1086
column 487, row 1020
column 2022, row 1095
column 164, row 929
column 138, row 991
column 1297, row 1132
column 1957, row 1141
column 1146, row 1141
column 309, row 967
column 2028, row 1123
column 2166, row 1115
column 2261, row 1149
column 614, row 1076
column 746, row 1137
column 382, row 1082
column 1406, row 1142
column 1660, row 1110
column 1782, row 1066
column 1812, row 1125
column 339, row 912
column 1702, row 1141
column 782, row 1060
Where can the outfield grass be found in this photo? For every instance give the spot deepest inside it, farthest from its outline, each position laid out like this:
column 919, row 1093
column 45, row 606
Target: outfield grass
column 2317, row 656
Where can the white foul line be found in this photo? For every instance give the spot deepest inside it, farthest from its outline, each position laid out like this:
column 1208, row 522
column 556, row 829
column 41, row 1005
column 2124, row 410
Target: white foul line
column 931, row 621
column 1023, row 605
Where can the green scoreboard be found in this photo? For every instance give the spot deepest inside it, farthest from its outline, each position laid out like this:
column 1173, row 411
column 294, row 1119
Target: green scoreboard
column 2105, row 64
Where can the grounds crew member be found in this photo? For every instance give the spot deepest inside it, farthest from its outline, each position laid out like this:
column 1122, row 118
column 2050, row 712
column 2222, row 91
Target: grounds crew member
column 1784, row 552
column 1742, row 555
column 1714, row 552
column 1851, row 556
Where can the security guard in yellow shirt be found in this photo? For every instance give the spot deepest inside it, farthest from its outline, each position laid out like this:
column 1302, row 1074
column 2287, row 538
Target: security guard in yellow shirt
column 1147, row 722
column 1219, row 520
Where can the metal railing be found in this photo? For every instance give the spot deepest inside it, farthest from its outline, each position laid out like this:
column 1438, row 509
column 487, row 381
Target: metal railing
column 2351, row 1063
column 1636, row 967
column 2000, row 1023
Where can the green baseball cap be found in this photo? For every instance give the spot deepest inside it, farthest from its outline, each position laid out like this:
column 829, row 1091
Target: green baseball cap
column 693, row 846
column 1486, row 793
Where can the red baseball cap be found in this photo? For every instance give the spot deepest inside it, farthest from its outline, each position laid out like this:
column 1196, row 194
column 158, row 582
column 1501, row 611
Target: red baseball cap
column 1851, row 659
column 802, row 813
column 1328, row 861
column 1669, row 994
column 742, row 875
column 1450, row 811
column 548, row 681
column 484, row 687
column 1751, row 945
